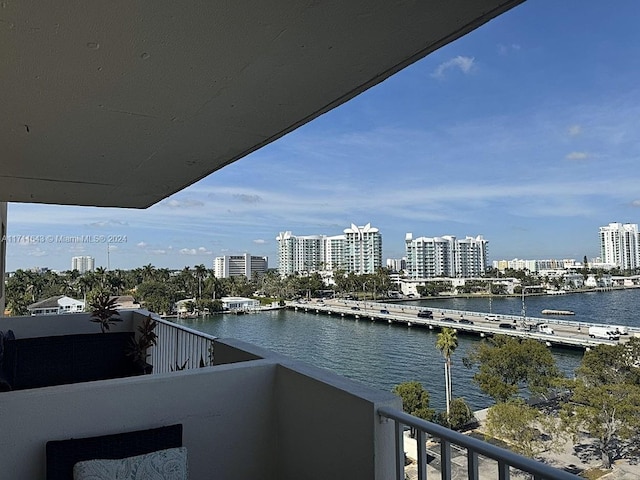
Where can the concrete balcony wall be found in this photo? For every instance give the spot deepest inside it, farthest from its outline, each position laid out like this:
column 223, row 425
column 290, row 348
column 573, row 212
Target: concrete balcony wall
column 226, row 412
column 66, row 324
column 328, row 426
column 254, row 414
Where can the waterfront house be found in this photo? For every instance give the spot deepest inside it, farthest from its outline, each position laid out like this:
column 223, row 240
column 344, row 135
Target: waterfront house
column 170, row 92
column 239, row 304
column 184, row 306
column 56, row 305
column 126, row 302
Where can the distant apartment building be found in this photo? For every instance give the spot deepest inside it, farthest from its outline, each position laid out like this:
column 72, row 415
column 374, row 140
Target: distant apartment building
column 83, row 264
column 520, row 264
column 396, row 264
column 240, row 265
column 357, row 250
column 297, row 254
column 470, row 256
column 363, row 249
column 536, row 266
column 446, row 256
column 620, row 245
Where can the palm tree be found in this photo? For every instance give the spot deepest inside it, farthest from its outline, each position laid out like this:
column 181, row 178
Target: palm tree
column 201, row 273
column 447, row 343
column 148, row 272
column 101, row 274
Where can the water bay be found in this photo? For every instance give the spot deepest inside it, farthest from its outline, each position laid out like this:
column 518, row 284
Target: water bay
column 382, row 355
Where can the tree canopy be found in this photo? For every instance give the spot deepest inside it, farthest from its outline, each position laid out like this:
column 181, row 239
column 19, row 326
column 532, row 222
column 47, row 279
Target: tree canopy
column 509, row 367
column 415, row 399
column 604, row 399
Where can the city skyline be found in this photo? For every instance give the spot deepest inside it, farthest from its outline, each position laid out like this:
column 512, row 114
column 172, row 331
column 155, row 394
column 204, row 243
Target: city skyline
column 523, row 131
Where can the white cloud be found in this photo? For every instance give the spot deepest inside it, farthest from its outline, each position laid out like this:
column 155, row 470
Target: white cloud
column 635, row 203
column 141, row 244
column 37, row 253
column 577, row 156
column 159, row 252
column 259, row 241
column 465, row 64
column 247, row 198
column 506, row 49
column 108, row 223
column 575, row 130
column 173, row 203
column 194, row 251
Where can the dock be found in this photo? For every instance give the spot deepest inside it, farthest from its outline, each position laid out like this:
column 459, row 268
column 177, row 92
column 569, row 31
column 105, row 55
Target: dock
column 567, row 333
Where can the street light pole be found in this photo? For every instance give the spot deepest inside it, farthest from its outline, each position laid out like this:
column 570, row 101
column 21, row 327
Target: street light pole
column 524, row 308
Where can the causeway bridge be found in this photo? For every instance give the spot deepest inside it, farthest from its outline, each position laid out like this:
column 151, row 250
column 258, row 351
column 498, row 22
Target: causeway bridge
column 567, row 333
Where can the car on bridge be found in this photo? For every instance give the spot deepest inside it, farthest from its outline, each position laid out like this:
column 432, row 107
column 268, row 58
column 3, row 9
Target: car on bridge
column 465, row 321
column 425, row 314
column 384, row 310
column 509, row 326
column 491, row 317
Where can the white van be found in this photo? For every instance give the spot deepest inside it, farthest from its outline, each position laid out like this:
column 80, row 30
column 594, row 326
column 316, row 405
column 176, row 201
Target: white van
column 491, row 317
column 603, row 332
column 545, row 329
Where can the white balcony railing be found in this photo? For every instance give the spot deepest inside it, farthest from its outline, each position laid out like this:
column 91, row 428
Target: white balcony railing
column 180, row 348
column 505, row 459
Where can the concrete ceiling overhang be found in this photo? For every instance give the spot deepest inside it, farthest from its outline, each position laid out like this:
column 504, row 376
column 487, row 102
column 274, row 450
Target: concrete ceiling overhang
column 123, row 103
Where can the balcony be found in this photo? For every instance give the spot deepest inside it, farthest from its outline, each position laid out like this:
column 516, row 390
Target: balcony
column 246, row 412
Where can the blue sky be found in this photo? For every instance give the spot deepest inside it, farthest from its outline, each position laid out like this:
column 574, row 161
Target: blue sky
column 525, row 131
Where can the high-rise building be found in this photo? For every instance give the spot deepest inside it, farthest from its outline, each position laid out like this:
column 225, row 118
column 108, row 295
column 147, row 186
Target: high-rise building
column 240, row 265
column 396, row 264
column 363, row 249
column 358, row 250
column 297, row 254
column 620, row 245
column 83, row 264
column 429, row 257
column 470, row 257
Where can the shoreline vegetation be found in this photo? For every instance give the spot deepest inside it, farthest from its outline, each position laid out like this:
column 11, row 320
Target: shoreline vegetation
column 158, row 289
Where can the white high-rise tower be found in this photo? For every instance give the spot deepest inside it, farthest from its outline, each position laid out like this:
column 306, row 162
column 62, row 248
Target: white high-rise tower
column 620, row 245
column 83, row 264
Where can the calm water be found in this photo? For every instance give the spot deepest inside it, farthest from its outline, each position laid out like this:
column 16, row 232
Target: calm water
column 383, row 355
